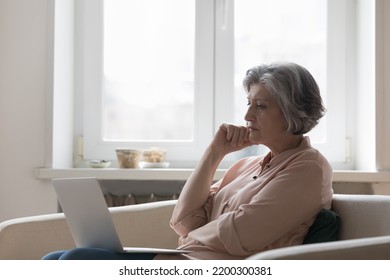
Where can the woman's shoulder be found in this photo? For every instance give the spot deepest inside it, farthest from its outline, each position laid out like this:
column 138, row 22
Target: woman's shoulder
column 314, row 155
column 308, row 152
column 312, row 161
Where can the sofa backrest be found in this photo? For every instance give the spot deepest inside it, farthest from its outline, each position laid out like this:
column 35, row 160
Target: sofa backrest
column 362, row 215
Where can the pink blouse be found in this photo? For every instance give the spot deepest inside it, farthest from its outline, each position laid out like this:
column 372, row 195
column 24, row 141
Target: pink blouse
column 245, row 215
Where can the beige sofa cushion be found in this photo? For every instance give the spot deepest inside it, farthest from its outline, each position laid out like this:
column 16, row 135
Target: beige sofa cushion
column 362, row 215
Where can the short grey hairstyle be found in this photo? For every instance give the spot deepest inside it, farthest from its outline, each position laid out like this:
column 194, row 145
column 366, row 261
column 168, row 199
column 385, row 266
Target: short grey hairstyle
column 295, row 91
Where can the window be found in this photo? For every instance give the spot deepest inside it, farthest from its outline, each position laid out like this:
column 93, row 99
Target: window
column 157, row 84
column 168, row 76
column 148, row 71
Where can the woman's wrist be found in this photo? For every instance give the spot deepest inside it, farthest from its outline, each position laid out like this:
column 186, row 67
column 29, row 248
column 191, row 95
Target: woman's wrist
column 216, row 155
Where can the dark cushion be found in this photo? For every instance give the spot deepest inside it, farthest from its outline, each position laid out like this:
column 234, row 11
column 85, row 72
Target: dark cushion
column 325, row 228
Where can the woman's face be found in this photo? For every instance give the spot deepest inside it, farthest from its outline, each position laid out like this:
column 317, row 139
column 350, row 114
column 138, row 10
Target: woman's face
column 266, row 122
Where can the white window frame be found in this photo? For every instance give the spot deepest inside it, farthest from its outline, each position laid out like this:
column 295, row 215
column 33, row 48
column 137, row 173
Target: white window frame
column 214, row 82
column 184, row 153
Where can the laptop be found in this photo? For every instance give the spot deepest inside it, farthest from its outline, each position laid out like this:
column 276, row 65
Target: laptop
column 89, row 219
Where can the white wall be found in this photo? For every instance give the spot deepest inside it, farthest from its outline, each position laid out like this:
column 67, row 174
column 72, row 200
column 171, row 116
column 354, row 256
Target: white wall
column 23, row 108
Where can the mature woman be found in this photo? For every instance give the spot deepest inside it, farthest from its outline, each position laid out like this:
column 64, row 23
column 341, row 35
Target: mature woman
column 262, row 202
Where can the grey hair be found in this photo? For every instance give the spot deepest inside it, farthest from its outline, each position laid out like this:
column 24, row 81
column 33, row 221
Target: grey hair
column 295, row 91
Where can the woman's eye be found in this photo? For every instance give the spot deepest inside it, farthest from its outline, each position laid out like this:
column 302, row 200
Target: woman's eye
column 260, row 105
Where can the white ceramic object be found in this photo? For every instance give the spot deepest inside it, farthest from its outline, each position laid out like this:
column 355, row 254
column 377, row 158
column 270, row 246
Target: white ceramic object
column 99, row 163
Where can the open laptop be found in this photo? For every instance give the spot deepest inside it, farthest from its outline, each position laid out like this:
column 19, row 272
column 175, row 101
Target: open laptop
column 89, row 219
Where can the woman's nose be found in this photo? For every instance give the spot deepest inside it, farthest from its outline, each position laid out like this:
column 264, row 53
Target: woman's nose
column 248, row 116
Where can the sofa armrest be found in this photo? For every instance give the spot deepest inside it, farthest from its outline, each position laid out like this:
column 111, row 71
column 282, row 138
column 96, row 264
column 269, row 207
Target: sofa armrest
column 369, row 248
column 32, row 237
column 137, row 225
column 146, row 225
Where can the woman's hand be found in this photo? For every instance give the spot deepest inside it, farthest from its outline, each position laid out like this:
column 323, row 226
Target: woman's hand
column 230, row 138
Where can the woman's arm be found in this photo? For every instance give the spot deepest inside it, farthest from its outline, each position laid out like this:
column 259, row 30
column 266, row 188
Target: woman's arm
column 189, row 212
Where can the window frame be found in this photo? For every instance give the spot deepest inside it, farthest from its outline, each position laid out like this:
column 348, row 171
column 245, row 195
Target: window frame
column 91, row 65
column 213, row 71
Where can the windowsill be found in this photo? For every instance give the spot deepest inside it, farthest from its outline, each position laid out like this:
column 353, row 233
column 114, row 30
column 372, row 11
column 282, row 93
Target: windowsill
column 183, row 174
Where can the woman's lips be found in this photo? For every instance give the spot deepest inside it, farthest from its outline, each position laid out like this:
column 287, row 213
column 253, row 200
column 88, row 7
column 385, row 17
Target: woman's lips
column 250, row 126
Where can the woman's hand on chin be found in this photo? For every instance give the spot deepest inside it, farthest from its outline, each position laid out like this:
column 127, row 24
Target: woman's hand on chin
column 230, row 138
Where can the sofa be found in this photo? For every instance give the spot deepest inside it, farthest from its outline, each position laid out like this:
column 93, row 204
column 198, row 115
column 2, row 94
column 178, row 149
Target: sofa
column 364, row 231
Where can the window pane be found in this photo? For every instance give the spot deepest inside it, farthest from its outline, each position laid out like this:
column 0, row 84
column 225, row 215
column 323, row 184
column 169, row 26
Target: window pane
column 148, row 77
column 280, row 30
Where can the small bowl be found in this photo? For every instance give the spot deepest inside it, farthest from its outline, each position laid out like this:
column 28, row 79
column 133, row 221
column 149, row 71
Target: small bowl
column 154, row 155
column 95, row 163
column 128, row 158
